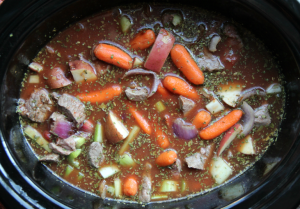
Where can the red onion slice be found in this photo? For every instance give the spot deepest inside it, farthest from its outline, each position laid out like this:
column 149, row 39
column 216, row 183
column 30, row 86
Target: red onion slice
column 184, row 130
column 62, row 129
column 145, row 72
column 250, row 92
column 248, row 118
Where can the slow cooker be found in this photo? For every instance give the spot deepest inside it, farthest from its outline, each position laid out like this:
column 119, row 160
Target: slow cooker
column 27, row 25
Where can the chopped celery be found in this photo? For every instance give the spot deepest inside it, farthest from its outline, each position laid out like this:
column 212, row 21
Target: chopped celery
column 160, row 106
column 118, row 187
column 69, row 170
column 98, row 137
column 126, row 160
column 80, row 176
column 79, row 142
column 108, row 171
column 132, row 135
column 182, row 186
column 169, row 186
column 72, row 156
column 111, row 190
column 159, row 196
column 37, row 137
column 125, row 24
column 176, row 19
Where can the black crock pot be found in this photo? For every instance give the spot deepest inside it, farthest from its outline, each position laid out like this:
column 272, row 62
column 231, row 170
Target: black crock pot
column 27, row 25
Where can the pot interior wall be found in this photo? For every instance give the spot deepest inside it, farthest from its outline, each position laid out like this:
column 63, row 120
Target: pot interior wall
column 36, row 27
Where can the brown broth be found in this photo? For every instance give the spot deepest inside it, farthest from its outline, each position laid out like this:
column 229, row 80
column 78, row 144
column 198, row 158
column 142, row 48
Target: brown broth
column 256, row 67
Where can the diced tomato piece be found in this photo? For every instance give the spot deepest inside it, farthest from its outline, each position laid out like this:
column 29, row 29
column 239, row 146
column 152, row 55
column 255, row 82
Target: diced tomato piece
column 87, row 126
column 47, row 135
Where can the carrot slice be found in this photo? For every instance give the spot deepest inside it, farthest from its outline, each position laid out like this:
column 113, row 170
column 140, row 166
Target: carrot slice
column 184, row 62
column 142, row 122
column 113, row 55
column 162, row 139
column 166, row 158
column 202, row 119
column 161, row 90
column 221, row 125
column 130, row 186
column 143, row 40
column 104, row 95
column 178, row 86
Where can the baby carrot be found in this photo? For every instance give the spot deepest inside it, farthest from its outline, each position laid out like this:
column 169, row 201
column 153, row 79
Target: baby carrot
column 143, row 40
column 143, row 123
column 130, row 186
column 166, row 158
column 184, row 62
column 113, row 55
column 162, row 139
column 100, row 96
column 164, row 92
column 202, row 119
column 221, row 125
column 178, row 86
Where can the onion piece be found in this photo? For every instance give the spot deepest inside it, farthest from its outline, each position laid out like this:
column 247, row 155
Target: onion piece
column 145, row 72
column 274, row 88
column 35, row 67
column 184, row 130
column 248, row 118
column 250, row 92
column 62, row 129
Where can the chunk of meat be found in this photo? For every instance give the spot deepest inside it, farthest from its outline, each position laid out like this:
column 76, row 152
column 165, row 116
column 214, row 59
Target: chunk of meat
column 186, row 104
column 59, row 150
column 50, row 158
column 262, row 116
column 137, row 94
column 60, row 125
column 145, row 193
column 68, row 143
column 103, row 189
column 176, row 168
column 231, row 31
column 38, row 107
column 200, row 160
column 95, row 154
column 209, row 62
column 73, row 107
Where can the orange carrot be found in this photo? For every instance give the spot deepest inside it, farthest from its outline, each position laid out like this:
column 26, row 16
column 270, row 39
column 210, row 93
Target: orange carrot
column 184, row 62
column 202, row 119
column 113, row 55
column 178, row 86
column 100, row 96
column 130, row 186
column 166, row 158
column 221, row 125
column 162, row 139
column 164, row 92
column 143, row 39
column 143, row 123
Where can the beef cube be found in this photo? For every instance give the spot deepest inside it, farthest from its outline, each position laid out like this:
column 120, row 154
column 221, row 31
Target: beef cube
column 95, row 154
column 186, row 104
column 200, row 160
column 137, row 94
column 50, row 158
column 59, row 150
column 73, row 108
column 262, row 116
column 38, row 107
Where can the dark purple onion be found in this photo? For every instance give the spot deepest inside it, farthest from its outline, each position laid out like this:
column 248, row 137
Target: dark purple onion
column 250, row 92
column 184, row 130
column 145, row 72
column 62, row 129
column 248, row 118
